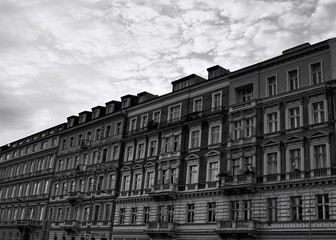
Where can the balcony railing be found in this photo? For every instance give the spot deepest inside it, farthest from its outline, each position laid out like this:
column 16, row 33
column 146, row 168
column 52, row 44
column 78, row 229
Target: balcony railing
column 80, row 168
column 242, row 106
column 160, row 226
column 74, row 197
column 236, row 225
column 28, row 223
column 164, row 191
column 238, row 184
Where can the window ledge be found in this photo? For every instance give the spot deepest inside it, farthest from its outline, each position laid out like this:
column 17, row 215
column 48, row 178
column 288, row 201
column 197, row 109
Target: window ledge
column 318, row 125
column 294, row 130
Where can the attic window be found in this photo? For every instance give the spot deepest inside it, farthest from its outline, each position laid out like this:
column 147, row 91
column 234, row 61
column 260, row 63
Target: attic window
column 82, row 118
column 109, row 109
column 96, row 113
column 125, row 103
column 70, row 122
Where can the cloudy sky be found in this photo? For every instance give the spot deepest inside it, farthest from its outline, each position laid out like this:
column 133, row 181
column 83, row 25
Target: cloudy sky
column 61, row 57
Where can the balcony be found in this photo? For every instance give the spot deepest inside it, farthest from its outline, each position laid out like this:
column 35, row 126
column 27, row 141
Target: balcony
column 85, row 144
column 80, row 168
column 27, row 224
column 164, row 192
column 75, row 197
column 238, row 184
column 162, row 230
column 243, row 106
column 70, row 226
column 236, row 229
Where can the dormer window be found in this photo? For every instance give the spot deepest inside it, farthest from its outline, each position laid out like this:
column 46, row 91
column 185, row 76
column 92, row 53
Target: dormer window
column 125, row 103
column 109, row 109
column 96, row 113
column 82, row 118
column 71, row 122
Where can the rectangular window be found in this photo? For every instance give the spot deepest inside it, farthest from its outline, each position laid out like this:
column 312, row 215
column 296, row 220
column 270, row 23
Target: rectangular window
column 195, row 139
column 161, row 214
column 272, row 209
column 295, row 159
column 316, row 73
column 115, row 152
column 141, row 151
column 234, row 210
column 170, row 213
column 190, row 213
column 211, row 212
column 271, row 86
column 144, row 121
column 236, row 130
column 248, row 127
column 129, row 153
column 176, row 143
column 98, row 131
column 247, row 94
column 322, row 204
column 152, row 148
column 293, row 80
column 122, row 216
column 247, row 210
column 107, row 212
column 318, row 112
column 272, row 162
column 107, row 131
column 132, row 124
column 156, row 116
column 215, row 135
column 296, row 208
column 100, row 183
column 71, row 142
column 118, row 128
column 216, row 101
column 235, row 166
column 104, row 155
column 134, row 215
column 197, row 105
column 111, row 181
column 137, row 181
column 213, row 171
column 149, row 179
column 96, row 213
column 193, row 174
column 272, row 122
column 294, row 117
column 146, row 214
column 175, row 113
column 320, row 156
column 126, row 183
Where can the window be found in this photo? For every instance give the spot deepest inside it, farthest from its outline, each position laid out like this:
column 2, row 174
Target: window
column 320, row 156
column 34, row 147
column 161, row 214
column 195, row 139
column 247, row 94
column 63, row 144
column 100, row 183
column 213, row 171
column 211, row 212
column 293, row 80
column 132, row 124
column 318, row 112
column 98, row 132
column 86, row 214
column 294, row 120
column 152, row 148
column 129, row 153
column 236, row 130
column 216, row 101
column 134, row 215
column 115, row 152
column 156, row 116
column 190, row 213
column 141, row 151
column 71, row 142
column 272, row 122
column 95, row 157
column 109, row 108
column 125, row 183
column 296, row 208
column 104, row 155
column 322, row 204
column 197, row 105
column 272, row 162
column 111, row 181
column 234, row 210
column 118, row 128
column 107, row 212
column 272, row 209
column 215, row 134
column 295, row 159
column 176, row 143
column 149, row 179
column 193, row 174
column 122, row 216
column 235, row 166
column 174, row 113
column 316, row 73
column 53, row 142
column 248, row 127
column 144, row 121
column 247, row 210
column 170, row 213
column 146, row 214
column 137, row 181
column 107, row 131
column 271, row 86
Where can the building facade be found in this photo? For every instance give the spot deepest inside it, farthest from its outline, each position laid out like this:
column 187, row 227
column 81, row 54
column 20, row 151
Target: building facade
column 248, row 154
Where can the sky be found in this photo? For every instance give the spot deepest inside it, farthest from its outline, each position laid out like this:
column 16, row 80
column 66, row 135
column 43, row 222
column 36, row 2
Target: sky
column 61, row 57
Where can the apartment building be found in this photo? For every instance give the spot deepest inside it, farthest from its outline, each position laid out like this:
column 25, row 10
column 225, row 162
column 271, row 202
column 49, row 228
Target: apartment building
column 245, row 154
column 81, row 203
column 26, row 170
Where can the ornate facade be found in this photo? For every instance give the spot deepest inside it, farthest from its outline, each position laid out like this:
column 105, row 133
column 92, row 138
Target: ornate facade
column 247, row 154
